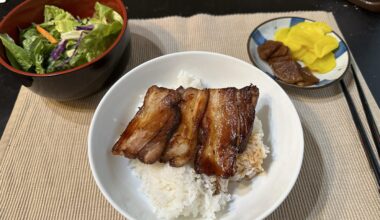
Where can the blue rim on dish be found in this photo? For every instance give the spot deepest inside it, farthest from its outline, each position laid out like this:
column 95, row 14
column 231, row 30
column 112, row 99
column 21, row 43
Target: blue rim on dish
column 265, row 31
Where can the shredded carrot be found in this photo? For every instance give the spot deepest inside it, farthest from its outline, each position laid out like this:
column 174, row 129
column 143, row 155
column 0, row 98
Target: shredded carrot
column 46, row 34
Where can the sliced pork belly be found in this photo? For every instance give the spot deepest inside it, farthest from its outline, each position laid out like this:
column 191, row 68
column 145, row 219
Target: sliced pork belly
column 182, row 145
column 225, row 129
column 149, row 131
column 246, row 101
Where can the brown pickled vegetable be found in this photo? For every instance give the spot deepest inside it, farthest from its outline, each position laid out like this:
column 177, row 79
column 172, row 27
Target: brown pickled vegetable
column 284, row 67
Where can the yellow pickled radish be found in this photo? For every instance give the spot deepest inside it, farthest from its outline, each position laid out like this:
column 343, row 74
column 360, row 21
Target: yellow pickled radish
column 281, row 34
column 297, row 36
column 308, row 58
column 323, row 26
column 299, row 53
column 309, row 28
column 309, row 43
column 325, row 45
column 324, row 64
column 292, row 44
column 304, row 37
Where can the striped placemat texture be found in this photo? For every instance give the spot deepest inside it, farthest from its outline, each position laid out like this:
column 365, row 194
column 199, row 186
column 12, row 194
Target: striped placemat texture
column 44, row 171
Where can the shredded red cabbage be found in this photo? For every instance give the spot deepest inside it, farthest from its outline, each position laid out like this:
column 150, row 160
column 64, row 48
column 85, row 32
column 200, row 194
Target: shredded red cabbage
column 85, row 28
column 67, row 60
column 77, row 45
column 58, row 50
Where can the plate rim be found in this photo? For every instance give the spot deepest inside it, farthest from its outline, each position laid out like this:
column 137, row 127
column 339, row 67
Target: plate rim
column 298, row 127
column 334, row 81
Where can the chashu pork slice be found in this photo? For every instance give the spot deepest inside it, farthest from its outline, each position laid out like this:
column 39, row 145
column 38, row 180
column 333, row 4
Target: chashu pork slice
column 182, row 145
column 247, row 98
column 149, row 131
column 225, row 129
column 217, row 149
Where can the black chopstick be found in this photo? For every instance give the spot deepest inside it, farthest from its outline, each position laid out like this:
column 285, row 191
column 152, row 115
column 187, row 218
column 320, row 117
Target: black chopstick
column 371, row 122
column 363, row 136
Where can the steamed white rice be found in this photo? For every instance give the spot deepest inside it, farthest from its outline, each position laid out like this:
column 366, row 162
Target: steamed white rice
column 175, row 192
column 179, row 191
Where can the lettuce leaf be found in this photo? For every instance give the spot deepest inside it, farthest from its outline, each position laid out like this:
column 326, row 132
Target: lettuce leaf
column 65, row 25
column 71, row 35
column 105, row 15
column 107, row 25
column 62, row 20
column 19, row 54
column 12, row 60
column 38, row 55
column 27, row 36
column 37, row 46
column 52, row 12
column 57, row 65
column 40, row 49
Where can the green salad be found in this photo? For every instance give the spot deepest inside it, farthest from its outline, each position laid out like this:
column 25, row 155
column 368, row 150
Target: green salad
column 63, row 41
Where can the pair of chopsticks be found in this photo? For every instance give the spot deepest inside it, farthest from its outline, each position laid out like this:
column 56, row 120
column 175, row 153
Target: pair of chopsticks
column 371, row 155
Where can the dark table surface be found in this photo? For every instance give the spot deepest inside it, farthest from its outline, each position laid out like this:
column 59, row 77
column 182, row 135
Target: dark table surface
column 361, row 29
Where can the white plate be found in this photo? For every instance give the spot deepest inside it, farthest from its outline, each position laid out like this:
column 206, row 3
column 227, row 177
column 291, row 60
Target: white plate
column 281, row 124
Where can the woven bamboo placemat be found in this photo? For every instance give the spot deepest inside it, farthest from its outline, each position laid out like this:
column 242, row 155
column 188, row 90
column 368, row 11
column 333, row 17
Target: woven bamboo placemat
column 44, row 171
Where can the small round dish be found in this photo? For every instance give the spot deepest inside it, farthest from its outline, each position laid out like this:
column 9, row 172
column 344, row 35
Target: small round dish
column 267, row 30
column 281, row 125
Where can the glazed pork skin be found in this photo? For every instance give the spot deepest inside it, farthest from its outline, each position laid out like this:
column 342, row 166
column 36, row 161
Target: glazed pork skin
column 225, row 129
column 149, row 131
column 247, row 98
column 182, row 145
